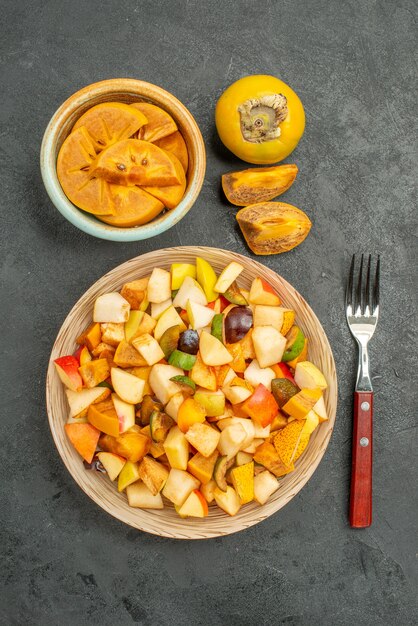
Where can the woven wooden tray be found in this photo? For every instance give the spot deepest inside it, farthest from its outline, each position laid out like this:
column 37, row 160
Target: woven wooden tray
column 166, row 522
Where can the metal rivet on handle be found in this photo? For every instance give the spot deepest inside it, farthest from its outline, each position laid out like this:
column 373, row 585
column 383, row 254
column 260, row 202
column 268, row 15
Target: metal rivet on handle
column 364, row 442
column 365, row 406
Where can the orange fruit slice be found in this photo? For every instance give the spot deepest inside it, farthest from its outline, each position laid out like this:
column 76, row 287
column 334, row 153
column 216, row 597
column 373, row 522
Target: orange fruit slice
column 110, row 122
column 175, row 144
column 75, row 157
column 133, row 207
column 136, row 162
column 159, row 123
column 170, row 196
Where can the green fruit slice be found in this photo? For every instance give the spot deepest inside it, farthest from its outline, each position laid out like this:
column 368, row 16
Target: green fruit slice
column 206, row 278
column 186, row 384
column 217, row 324
column 182, row 360
column 169, row 340
column 294, row 345
column 219, row 472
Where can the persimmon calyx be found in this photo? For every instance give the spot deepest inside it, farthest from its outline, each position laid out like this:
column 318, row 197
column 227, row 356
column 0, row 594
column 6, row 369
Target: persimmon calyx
column 261, row 117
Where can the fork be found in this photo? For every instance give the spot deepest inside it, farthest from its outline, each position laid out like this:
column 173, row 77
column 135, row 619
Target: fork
column 362, row 312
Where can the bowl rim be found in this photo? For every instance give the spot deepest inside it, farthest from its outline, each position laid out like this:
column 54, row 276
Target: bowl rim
column 234, row 523
column 87, row 223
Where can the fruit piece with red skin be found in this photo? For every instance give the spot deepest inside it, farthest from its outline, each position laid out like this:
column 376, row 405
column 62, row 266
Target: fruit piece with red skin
column 261, row 406
column 84, row 438
column 67, row 370
column 282, row 370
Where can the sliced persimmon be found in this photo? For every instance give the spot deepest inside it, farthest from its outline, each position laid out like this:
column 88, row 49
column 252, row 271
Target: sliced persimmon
column 175, row 144
column 110, row 122
column 133, row 207
column 170, row 196
column 159, row 124
column 136, row 162
column 75, row 157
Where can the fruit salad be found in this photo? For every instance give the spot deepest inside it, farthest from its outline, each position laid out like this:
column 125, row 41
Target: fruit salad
column 188, row 389
column 124, row 163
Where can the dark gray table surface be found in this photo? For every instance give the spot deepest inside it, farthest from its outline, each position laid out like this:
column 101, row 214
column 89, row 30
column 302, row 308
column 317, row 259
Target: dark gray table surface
column 65, row 561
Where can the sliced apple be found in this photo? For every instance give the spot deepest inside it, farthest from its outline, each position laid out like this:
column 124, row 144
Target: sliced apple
column 132, row 325
column 80, row 401
column 153, row 474
column 146, row 325
column 320, row 410
column 199, row 316
column 169, row 318
column 243, row 458
column 265, row 484
column 190, row 290
column 311, row 422
column 212, row 401
column 67, row 370
column 128, row 387
column 229, row 274
column 179, row 486
column 149, row 348
column 159, row 286
column 207, row 278
column 160, row 382
column 125, row 413
column 227, row 500
column 128, row 475
column 256, row 375
column 113, row 463
column 245, row 423
column 194, row 506
column 262, row 293
column 237, row 393
column 264, row 315
column 231, row 439
column 269, row 345
column 139, row 496
column 203, row 438
column 157, row 309
column 111, row 307
column 175, row 402
column 212, row 351
column 208, row 491
column 308, row 376
column 176, row 448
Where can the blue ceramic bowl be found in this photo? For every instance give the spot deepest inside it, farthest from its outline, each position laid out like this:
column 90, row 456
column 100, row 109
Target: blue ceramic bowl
column 121, row 90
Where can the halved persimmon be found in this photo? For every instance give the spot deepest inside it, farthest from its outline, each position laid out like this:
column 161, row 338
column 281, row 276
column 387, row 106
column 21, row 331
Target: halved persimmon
column 133, row 207
column 170, row 196
column 159, row 124
column 75, row 157
column 110, row 122
column 175, row 144
column 136, row 162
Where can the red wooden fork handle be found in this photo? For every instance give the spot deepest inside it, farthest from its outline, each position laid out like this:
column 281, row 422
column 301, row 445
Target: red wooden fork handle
column 362, row 453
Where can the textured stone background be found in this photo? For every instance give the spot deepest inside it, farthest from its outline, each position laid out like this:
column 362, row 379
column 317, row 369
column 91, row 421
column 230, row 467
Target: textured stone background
column 66, row 561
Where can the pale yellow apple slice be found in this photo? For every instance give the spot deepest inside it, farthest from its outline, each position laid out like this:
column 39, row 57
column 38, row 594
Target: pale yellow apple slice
column 212, row 351
column 169, row 318
column 265, row 315
column 199, row 316
column 265, row 484
column 227, row 500
column 203, row 437
column 80, row 401
column 176, row 448
column 227, row 276
column 149, row 348
column 139, row 496
column 255, row 375
column 311, row 422
column 111, row 307
column 125, row 413
column 194, row 506
column 158, row 308
column 160, row 382
column 159, row 285
column 113, row 463
column 179, row 486
column 308, row 376
column 247, row 425
column 269, row 345
column 231, row 440
column 190, row 290
column 128, row 387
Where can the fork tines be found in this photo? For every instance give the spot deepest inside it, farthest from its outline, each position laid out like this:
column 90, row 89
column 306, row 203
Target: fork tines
column 363, row 299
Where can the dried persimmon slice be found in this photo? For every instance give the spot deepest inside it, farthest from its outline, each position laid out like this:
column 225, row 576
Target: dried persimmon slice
column 159, row 124
column 75, row 157
column 133, row 207
column 170, row 196
column 136, row 162
column 175, row 144
column 110, row 122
